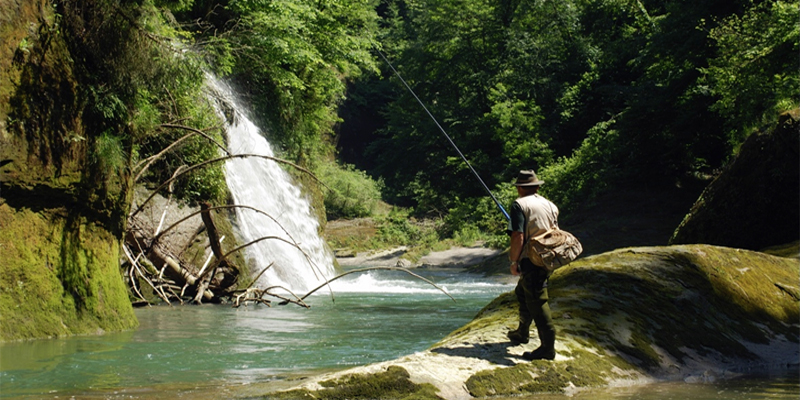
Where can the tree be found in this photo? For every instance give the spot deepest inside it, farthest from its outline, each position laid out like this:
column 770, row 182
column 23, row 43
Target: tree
column 754, row 71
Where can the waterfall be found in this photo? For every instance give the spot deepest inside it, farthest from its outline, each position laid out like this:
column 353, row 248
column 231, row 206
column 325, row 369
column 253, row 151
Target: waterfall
column 264, row 185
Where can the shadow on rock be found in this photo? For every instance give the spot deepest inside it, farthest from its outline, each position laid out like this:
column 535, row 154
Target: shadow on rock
column 496, row 353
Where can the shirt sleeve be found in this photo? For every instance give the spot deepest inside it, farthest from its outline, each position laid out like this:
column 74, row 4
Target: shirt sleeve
column 517, row 222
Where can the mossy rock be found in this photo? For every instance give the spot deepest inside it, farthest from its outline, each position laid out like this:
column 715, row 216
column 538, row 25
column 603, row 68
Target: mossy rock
column 655, row 312
column 59, row 276
column 392, row 384
column 755, row 202
column 625, row 317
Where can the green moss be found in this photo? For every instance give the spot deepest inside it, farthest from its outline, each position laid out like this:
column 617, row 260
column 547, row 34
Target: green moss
column 502, row 311
column 643, row 311
column 394, row 383
column 648, row 303
column 59, row 276
column 790, row 250
column 584, row 369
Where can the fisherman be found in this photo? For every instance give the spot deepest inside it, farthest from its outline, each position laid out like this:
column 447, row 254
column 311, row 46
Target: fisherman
column 531, row 215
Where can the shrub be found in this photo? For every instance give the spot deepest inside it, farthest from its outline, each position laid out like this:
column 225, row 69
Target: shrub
column 352, row 194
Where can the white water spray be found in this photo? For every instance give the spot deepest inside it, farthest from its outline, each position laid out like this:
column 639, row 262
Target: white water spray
column 262, row 184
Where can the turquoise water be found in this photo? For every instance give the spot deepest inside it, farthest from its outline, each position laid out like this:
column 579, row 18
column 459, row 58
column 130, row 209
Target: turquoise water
column 218, row 352
column 370, row 317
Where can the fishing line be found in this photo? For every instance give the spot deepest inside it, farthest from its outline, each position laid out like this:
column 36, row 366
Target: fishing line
column 503, row 210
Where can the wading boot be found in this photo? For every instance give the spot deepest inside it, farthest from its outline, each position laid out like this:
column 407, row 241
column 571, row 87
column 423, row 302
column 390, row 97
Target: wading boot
column 547, row 350
column 521, row 334
column 540, row 354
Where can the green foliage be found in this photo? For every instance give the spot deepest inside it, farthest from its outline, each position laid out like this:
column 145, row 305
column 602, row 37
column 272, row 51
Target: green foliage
column 108, row 153
column 479, row 219
column 352, row 193
column 587, row 172
column 492, row 74
column 294, row 56
column 588, row 92
column 398, row 229
column 136, row 78
column 754, row 73
column 517, row 127
column 173, row 93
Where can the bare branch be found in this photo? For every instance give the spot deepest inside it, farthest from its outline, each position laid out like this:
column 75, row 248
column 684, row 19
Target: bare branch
column 258, row 297
column 150, row 160
column 259, row 275
column 155, row 238
column 252, row 242
column 199, row 132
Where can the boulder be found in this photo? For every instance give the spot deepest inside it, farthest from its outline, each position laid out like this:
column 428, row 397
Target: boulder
column 688, row 313
column 755, row 202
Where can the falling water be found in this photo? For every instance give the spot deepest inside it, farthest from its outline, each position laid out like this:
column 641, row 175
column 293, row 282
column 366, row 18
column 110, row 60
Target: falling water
column 303, row 262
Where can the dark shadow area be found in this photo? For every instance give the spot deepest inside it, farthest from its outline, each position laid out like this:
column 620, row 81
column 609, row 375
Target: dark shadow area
column 37, row 198
column 496, row 353
column 630, row 217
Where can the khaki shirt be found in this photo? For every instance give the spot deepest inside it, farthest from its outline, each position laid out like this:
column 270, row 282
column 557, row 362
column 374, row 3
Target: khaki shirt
column 540, row 215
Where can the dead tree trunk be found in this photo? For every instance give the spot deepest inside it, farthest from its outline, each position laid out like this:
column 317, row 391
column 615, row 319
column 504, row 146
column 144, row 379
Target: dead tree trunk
column 216, row 248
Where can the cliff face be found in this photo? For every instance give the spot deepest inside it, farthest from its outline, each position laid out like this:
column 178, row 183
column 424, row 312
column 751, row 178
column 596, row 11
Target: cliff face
column 61, row 213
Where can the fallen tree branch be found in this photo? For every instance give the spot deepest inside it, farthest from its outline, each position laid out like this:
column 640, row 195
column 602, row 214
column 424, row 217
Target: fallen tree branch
column 259, row 275
column 244, row 297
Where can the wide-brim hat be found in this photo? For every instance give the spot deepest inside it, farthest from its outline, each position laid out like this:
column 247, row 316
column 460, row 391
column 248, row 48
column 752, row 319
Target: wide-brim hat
column 527, row 178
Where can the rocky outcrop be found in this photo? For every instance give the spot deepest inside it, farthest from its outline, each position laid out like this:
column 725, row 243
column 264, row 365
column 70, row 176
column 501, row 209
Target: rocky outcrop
column 691, row 313
column 755, row 202
column 61, row 213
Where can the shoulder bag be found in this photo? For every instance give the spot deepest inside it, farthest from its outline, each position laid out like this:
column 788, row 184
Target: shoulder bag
column 554, row 248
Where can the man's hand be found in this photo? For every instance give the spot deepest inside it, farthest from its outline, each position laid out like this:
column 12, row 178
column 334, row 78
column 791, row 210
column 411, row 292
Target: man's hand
column 515, row 268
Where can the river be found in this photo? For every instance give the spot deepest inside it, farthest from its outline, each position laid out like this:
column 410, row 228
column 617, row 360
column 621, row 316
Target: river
column 215, row 351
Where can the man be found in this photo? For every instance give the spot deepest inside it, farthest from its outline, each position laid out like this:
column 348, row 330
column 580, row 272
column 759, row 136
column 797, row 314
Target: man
column 531, row 215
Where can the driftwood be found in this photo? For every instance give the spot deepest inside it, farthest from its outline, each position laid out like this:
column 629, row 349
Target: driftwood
column 171, row 279
column 154, row 266
column 257, row 296
column 150, row 264
column 175, row 280
column 216, row 248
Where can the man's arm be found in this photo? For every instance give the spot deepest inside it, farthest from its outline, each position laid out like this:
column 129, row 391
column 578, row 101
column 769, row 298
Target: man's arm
column 517, row 240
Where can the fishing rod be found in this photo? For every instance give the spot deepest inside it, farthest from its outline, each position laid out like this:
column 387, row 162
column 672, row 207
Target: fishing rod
column 503, row 210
